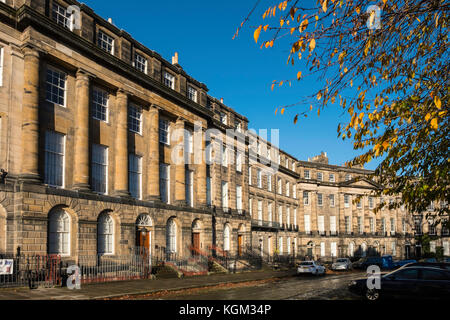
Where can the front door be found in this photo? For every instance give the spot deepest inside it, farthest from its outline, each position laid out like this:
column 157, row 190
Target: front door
column 195, row 243
column 407, row 252
column 143, row 241
column 240, row 244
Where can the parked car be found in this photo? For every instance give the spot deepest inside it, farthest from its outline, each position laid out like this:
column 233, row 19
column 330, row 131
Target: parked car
column 408, row 282
column 342, row 264
column 401, row 263
column 364, row 263
column 428, row 260
column 440, row 265
column 311, row 267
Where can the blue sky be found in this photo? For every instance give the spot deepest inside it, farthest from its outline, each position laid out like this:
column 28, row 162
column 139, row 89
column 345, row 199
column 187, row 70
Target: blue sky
column 237, row 70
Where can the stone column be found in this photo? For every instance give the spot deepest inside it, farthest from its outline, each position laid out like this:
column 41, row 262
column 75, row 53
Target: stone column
column 81, row 156
column 121, row 146
column 180, row 166
column 200, row 164
column 153, row 192
column 30, row 117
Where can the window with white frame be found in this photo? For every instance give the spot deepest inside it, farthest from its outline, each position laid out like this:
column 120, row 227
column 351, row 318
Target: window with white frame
column 320, row 199
column 100, row 101
column 307, row 174
column 208, row 191
column 392, row 225
column 359, row 203
column 259, row 178
column 360, row 225
column 164, row 182
column 260, row 210
column 269, row 212
column 348, row 227
column 105, row 234
column 346, row 201
column 223, row 118
column 100, row 168
column 332, row 202
column 105, row 42
column 293, row 169
column 295, row 217
column 280, row 188
column 404, row 225
column 322, row 249
column 280, row 215
column 135, row 176
column 189, row 187
column 225, row 195
column 238, row 125
column 59, row 233
column 307, row 223
column 306, row 198
column 371, row 203
column 54, row 159
column 224, row 156
column 135, row 119
column 188, row 141
column 294, row 191
column 321, row 224
column 394, row 248
column 2, row 58
column 446, row 245
column 269, row 182
column 239, row 161
column 332, row 178
column 226, row 238
column 61, row 16
column 250, row 206
column 319, row 176
column 192, row 93
column 351, row 249
column 56, row 86
column 333, row 224
column 288, row 215
column 288, row 189
column 334, row 249
column 268, row 153
column 164, row 131
column 288, row 244
column 239, row 198
column 249, row 175
column 287, row 163
column 348, row 177
column 171, row 236
column 279, row 157
column 383, row 225
column 280, row 245
column 169, row 80
column 140, row 63
column 372, row 224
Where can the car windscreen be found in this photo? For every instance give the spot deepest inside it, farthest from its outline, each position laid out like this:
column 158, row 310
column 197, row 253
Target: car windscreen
column 341, row 260
column 306, row 264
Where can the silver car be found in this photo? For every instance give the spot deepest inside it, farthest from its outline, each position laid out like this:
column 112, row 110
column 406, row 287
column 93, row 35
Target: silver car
column 342, row 264
column 311, row 267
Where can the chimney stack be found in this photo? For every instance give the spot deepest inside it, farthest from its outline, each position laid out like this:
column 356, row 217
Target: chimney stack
column 175, row 58
column 110, row 20
column 221, row 100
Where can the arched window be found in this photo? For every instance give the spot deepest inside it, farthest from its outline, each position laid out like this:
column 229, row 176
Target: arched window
column 364, row 249
column 59, row 233
column 171, row 235
column 105, row 234
column 351, row 249
column 226, row 238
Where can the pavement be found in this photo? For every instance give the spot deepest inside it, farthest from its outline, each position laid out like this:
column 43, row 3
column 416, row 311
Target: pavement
column 109, row 290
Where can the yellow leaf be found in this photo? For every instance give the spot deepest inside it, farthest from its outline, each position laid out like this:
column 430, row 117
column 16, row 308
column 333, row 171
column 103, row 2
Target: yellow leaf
column 281, row 83
column 266, row 27
column 273, row 86
column 311, row 108
column 299, row 75
column 358, row 10
column 438, row 102
column 312, row 45
column 427, row 117
column 276, row 110
column 317, row 18
column 318, row 112
column 296, row 119
column 324, row 6
column 319, row 96
column 385, row 145
column 434, row 124
column 257, row 33
column 282, row 111
column 292, row 30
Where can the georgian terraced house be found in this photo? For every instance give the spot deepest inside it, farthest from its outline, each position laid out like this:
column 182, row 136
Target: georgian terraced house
column 88, row 123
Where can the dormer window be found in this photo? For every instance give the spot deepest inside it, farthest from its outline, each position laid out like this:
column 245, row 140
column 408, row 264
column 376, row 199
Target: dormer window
column 223, row 118
column 192, row 94
column 140, row 63
column 169, row 80
column 348, row 177
column 62, row 17
column 238, row 125
column 105, row 42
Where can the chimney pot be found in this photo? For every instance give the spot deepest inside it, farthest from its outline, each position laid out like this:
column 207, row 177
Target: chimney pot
column 221, row 100
column 175, row 58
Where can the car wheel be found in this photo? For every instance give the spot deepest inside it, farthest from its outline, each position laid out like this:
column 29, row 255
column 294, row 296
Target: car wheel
column 372, row 295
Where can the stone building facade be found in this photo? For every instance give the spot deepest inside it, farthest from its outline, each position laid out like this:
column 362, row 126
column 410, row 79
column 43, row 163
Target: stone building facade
column 93, row 126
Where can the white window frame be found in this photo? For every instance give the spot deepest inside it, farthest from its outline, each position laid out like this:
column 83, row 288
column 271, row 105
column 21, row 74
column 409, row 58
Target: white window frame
column 171, row 236
column 321, row 224
column 371, row 202
column 225, row 195
column 169, row 80
column 53, row 153
column 332, row 200
column 224, row 155
column 332, row 177
column 62, row 18
column 260, row 210
column 135, row 174
column 239, row 198
column 140, row 63
column 50, row 87
column 306, row 198
column 189, row 188
column 288, row 188
column 320, row 199
column 319, row 176
column 226, row 238
column 239, row 161
column 189, row 141
column 269, row 182
column 192, row 94
column 333, row 249
column 322, row 249
column 164, row 131
column 307, row 174
column 346, row 200
column 99, row 107
column 2, row 59
column 307, row 219
column 164, row 170
column 105, row 235
column 333, row 225
column 224, row 118
column 208, row 191
column 135, row 117
column 259, row 177
column 59, row 233
column 104, row 43
column 104, row 166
